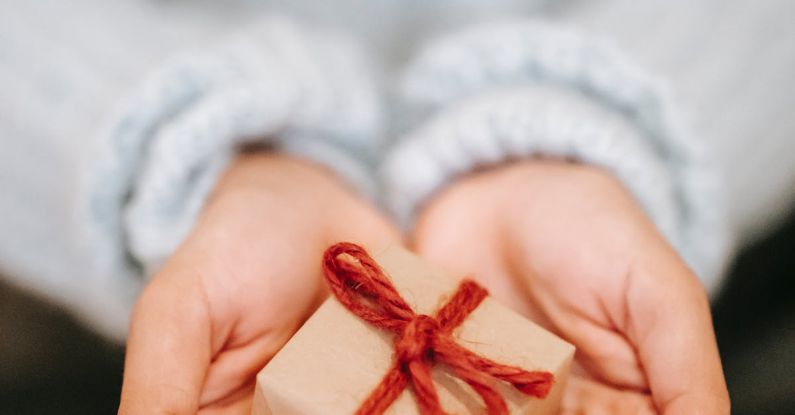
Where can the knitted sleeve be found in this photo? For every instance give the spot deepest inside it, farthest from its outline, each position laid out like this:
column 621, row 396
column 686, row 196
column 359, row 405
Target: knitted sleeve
column 116, row 119
column 301, row 91
column 496, row 92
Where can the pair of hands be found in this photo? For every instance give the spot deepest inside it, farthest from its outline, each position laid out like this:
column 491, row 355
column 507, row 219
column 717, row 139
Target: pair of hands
column 563, row 244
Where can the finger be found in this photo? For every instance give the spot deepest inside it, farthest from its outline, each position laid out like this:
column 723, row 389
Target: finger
column 602, row 352
column 670, row 323
column 582, row 317
column 168, row 348
column 239, row 403
column 587, row 396
column 238, row 365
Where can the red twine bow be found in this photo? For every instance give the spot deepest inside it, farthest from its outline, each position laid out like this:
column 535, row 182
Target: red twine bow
column 421, row 340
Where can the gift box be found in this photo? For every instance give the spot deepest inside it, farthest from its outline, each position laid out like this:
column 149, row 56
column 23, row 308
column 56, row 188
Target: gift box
column 333, row 364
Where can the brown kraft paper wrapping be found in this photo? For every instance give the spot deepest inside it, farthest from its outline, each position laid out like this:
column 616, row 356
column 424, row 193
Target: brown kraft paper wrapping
column 335, row 360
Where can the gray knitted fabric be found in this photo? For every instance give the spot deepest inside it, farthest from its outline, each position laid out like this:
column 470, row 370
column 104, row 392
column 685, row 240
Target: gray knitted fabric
column 116, row 118
column 521, row 89
column 307, row 93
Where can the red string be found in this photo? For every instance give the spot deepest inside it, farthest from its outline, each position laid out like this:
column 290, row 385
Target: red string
column 421, row 340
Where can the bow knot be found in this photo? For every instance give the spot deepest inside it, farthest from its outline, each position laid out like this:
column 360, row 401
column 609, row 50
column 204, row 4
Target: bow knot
column 416, row 341
column 421, row 340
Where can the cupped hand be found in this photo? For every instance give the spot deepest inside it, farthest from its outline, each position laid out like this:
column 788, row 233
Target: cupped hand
column 239, row 286
column 568, row 247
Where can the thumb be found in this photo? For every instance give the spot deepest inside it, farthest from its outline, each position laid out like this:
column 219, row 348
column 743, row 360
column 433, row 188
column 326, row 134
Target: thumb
column 671, row 326
column 169, row 347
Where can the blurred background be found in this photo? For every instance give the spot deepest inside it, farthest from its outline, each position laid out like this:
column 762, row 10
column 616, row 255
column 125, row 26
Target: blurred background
column 731, row 60
column 49, row 364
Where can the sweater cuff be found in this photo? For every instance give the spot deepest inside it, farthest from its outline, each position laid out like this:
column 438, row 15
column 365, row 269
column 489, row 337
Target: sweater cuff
column 301, row 91
column 521, row 89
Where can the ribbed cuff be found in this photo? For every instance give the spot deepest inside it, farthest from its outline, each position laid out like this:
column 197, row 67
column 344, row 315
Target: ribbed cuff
column 520, row 89
column 302, row 91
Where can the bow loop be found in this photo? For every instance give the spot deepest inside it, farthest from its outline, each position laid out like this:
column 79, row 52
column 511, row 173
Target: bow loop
column 358, row 282
column 421, row 340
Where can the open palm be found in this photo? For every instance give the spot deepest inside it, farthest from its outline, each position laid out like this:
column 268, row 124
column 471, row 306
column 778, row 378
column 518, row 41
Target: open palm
column 239, row 286
column 568, row 247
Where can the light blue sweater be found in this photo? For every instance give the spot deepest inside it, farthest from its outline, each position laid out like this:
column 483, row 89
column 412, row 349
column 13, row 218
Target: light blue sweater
column 116, row 118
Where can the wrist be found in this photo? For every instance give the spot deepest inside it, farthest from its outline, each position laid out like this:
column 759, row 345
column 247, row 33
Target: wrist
column 546, row 175
column 506, row 197
column 298, row 196
column 276, row 175
column 535, row 179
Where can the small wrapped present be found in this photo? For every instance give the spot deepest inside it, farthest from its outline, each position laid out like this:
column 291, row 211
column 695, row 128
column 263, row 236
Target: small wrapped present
column 401, row 337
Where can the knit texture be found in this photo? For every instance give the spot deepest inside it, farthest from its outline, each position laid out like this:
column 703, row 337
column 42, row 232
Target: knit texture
column 524, row 88
column 80, row 234
column 302, row 91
